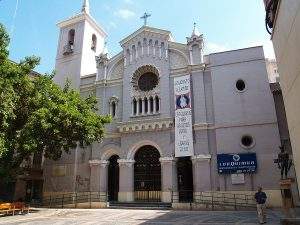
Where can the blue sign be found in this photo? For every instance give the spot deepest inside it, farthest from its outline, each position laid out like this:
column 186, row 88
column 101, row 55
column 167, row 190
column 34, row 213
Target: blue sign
column 237, row 163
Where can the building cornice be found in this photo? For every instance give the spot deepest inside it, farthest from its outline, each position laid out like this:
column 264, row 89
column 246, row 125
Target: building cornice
column 82, row 17
column 146, row 125
column 146, row 29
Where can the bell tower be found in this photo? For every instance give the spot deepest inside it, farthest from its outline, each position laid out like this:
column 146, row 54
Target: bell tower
column 195, row 44
column 81, row 39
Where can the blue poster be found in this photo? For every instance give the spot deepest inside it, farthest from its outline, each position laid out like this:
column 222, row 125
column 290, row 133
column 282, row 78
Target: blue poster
column 237, row 163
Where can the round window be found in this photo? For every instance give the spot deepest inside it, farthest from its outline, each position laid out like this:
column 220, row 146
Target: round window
column 240, row 85
column 247, row 141
column 147, row 81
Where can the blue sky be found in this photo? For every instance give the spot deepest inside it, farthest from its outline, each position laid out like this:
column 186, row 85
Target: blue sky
column 226, row 24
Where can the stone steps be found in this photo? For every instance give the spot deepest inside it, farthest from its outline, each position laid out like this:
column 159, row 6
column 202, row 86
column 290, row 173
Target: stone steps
column 140, row 205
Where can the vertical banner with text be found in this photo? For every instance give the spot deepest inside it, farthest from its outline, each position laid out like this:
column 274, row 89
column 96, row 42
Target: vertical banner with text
column 183, row 117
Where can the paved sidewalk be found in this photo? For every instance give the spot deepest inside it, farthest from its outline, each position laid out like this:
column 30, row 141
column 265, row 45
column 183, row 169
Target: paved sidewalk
column 132, row 217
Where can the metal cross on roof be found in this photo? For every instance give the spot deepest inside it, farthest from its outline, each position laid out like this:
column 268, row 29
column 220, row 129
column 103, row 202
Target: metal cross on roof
column 145, row 18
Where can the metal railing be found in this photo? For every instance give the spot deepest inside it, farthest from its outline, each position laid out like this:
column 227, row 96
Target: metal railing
column 210, row 200
column 217, row 199
column 147, row 196
column 72, row 199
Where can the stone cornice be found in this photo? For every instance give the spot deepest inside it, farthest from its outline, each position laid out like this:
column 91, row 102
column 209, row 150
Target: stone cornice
column 201, row 158
column 126, row 162
column 82, row 17
column 167, row 159
column 109, row 82
column 146, row 29
column 187, row 70
column 98, row 162
column 146, row 125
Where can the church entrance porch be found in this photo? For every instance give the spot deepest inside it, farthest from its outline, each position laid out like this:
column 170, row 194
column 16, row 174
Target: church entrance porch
column 113, row 178
column 147, row 175
column 185, row 179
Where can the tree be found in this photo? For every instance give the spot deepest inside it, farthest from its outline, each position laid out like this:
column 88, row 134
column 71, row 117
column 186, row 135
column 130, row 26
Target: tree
column 37, row 116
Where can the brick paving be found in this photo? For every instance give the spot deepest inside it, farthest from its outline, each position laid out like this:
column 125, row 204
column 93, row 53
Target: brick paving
column 132, row 217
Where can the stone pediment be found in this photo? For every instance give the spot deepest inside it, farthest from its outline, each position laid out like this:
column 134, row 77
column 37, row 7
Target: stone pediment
column 147, row 31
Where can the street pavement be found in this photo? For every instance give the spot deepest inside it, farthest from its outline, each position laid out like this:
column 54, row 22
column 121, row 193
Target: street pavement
column 134, row 216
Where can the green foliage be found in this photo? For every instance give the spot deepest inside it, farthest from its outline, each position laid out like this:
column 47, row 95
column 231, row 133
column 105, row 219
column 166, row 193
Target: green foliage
column 37, row 116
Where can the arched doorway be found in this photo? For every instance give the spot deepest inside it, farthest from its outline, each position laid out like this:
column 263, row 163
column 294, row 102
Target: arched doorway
column 147, row 174
column 113, row 178
column 185, row 179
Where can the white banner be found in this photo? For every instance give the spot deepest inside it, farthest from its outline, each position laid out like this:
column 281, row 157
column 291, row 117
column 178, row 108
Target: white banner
column 183, row 117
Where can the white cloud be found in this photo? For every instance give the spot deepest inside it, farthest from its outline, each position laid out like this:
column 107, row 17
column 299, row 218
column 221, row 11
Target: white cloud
column 211, row 47
column 107, row 7
column 124, row 13
column 130, row 2
column 112, row 24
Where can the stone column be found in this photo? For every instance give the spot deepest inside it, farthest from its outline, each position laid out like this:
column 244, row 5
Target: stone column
column 149, row 111
column 95, row 175
column 166, row 52
column 126, row 180
column 132, row 108
column 168, row 178
column 155, row 105
column 143, row 106
column 160, row 53
column 138, row 107
column 103, row 176
column 130, row 57
column 201, row 173
column 191, row 56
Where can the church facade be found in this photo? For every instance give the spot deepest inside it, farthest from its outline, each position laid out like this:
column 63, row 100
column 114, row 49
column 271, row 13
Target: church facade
column 232, row 134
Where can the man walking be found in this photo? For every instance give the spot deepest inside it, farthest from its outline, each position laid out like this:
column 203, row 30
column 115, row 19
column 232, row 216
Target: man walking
column 261, row 198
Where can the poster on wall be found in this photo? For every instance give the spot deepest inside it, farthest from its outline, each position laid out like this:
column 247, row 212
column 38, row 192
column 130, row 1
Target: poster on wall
column 237, row 163
column 183, row 117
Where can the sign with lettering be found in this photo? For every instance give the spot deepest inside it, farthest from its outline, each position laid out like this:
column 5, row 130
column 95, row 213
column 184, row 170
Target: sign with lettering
column 183, row 117
column 237, row 163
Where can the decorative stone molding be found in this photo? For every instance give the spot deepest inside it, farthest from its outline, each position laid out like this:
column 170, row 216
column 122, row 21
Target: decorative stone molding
column 135, row 91
column 201, row 126
column 104, row 163
column 94, row 162
column 146, row 125
column 167, row 159
column 201, row 158
column 127, row 162
column 113, row 99
column 102, row 60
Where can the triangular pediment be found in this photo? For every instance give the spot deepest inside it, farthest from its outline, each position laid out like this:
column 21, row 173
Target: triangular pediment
column 147, row 29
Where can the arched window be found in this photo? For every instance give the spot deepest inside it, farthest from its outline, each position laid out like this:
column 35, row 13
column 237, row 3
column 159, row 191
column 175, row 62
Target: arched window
column 140, row 110
column 156, row 104
column 151, row 105
column 146, row 105
column 71, row 38
column 94, row 43
column 134, row 105
column 113, row 109
column 113, row 106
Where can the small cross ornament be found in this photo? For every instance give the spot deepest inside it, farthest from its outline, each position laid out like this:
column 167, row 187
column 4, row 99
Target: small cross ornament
column 145, row 18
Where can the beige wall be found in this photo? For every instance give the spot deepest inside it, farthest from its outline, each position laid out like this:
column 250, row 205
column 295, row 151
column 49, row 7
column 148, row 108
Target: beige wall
column 286, row 39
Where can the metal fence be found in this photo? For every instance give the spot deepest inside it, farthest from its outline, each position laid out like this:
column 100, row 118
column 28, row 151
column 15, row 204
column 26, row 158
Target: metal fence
column 217, row 199
column 65, row 200
column 211, row 200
